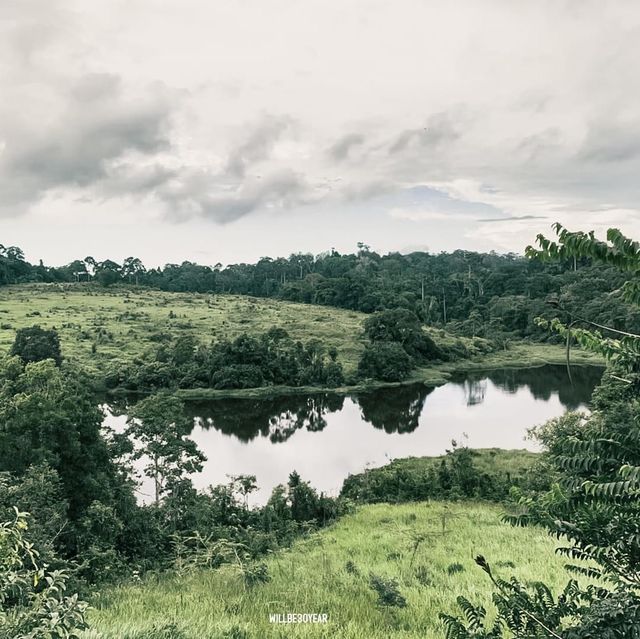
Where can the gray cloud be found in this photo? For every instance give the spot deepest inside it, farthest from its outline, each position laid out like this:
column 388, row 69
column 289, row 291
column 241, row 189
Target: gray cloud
column 537, row 146
column 340, row 149
column 609, row 141
column 83, row 117
column 199, row 194
column 438, row 130
column 258, row 145
column 513, row 218
column 98, row 123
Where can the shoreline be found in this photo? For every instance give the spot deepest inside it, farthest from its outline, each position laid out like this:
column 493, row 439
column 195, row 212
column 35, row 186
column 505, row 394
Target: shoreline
column 520, row 355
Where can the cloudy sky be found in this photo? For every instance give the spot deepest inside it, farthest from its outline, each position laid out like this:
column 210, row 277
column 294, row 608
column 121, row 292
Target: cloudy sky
column 225, row 130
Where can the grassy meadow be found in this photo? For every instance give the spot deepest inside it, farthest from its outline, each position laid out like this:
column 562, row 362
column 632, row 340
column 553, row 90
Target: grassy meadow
column 124, row 323
column 312, row 577
column 99, row 327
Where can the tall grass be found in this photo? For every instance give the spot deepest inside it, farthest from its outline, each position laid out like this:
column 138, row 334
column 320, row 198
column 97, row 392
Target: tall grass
column 427, row 547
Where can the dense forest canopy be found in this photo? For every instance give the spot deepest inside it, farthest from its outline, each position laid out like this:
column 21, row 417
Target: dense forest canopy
column 471, row 293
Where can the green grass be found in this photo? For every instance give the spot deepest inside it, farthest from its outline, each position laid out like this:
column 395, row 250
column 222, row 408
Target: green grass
column 311, row 577
column 494, row 461
column 121, row 323
column 130, row 319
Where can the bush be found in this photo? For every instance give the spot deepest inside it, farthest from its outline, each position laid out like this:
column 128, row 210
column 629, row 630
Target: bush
column 35, row 344
column 386, row 361
column 387, row 591
column 271, row 358
column 458, row 474
column 238, row 376
column 403, row 327
column 33, row 602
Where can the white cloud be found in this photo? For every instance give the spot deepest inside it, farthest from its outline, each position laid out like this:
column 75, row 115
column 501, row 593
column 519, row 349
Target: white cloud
column 219, row 111
column 413, row 215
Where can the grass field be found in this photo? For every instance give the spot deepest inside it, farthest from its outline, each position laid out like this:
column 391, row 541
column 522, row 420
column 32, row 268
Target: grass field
column 122, row 323
column 98, row 327
column 311, row 577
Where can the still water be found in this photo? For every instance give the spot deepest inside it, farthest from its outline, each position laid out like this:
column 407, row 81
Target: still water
column 325, row 437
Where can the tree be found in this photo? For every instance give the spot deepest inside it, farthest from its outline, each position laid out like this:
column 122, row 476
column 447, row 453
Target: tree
column 183, row 350
column 302, row 498
column 386, row 361
column 90, row 266
column 402, row 326
column 51, row 416
column 244, row 485
column 159, row 427
column 34, row 344
column 107, row 272
column 595, row 506
column 77, row 268
column 132, row 268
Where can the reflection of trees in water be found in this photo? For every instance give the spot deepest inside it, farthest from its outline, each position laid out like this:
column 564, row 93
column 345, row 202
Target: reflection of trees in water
column 475, row 391
column 394, row 410
column 542, row 382
column 277, row 418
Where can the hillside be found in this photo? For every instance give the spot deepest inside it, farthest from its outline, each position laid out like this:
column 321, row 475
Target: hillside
column 123, row 323
column 313, row 577
column 99, row 327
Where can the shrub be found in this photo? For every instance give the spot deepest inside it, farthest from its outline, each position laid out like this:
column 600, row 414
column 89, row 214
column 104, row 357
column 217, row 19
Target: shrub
column 386, row 361
column 452, row 569
column 34, row 344
column 403, row 327
column 254, row 575
column 387, row 591
column 238, row 376
column 33, row 602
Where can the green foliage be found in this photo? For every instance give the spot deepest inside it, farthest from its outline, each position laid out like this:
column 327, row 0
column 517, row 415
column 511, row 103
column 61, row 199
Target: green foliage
column 35, row 344
column 272, row 358
column 39, row 492
column 397, row 343
column 533, row 611
column 594, row 507
column 461, row 473
column 387, row 591
column 51, row 416
column 209, row 602
column 159, row 428
column 386, row 361
column 477, row 294
column 33, row 600
column 403, row 327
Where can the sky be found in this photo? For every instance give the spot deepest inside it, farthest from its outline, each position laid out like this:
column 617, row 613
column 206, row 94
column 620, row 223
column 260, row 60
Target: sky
column 229, row 130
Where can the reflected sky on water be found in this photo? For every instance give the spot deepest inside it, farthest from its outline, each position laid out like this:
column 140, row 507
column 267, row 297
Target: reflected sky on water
column 325, row 437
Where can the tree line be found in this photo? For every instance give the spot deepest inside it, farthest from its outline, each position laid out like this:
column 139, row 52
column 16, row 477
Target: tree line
column 474, row 294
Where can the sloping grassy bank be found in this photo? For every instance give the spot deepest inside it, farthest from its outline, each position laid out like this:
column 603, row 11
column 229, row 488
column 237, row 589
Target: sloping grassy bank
column 100, row 328
column 329, row 573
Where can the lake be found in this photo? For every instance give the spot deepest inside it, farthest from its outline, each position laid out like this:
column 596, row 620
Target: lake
column 326, row 436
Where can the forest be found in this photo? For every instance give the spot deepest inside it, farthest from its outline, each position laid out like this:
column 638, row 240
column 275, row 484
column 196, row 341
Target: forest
column 80, row 556
column 473, row 294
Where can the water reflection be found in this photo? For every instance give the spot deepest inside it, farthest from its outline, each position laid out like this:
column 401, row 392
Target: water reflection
column 325, row 436
column 394, row 410
column 542, row 382
column 276, row 418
